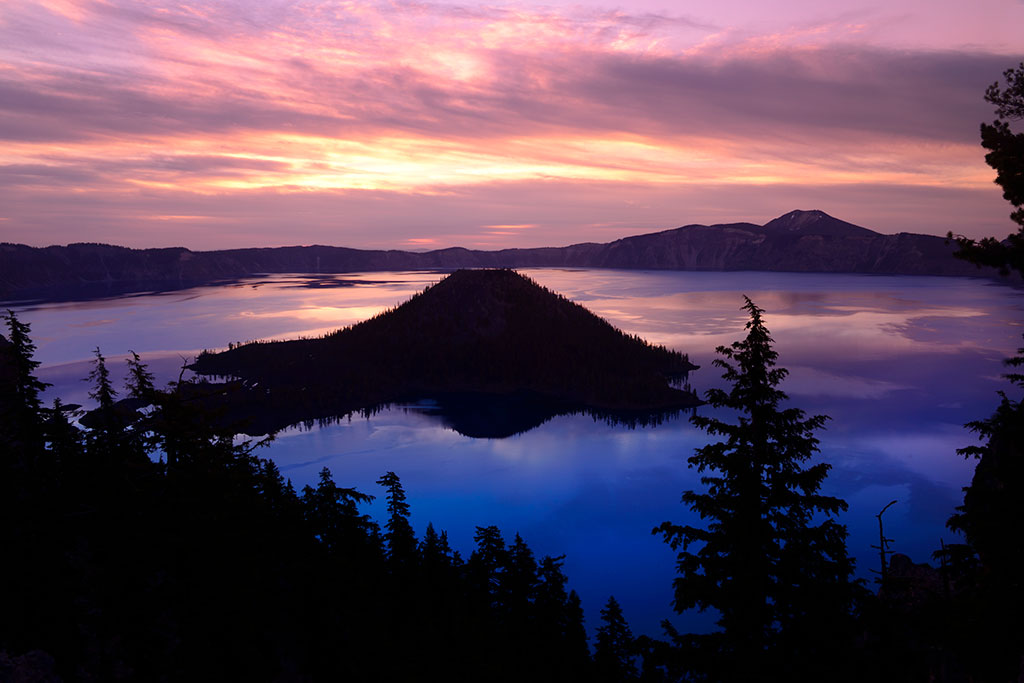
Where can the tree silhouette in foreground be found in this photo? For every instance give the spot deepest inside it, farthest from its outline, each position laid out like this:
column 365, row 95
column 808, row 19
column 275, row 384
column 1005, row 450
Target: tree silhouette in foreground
column 168, row 551
column 986, row 571
column 771, row 560
column 1006, row 156
column 990, row 593
column 20, row 410
column 614, row 651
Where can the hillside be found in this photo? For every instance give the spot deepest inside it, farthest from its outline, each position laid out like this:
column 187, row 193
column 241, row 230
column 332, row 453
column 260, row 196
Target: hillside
column 800, row 241
column 495, row 336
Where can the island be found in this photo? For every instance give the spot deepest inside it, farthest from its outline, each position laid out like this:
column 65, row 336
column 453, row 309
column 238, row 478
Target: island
column 489, row 351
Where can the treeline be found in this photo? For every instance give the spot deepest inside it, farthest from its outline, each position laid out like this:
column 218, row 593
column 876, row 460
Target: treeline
column 154, row 546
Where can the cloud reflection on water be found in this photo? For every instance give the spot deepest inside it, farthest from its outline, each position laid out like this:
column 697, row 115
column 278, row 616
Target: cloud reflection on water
column 899, row 363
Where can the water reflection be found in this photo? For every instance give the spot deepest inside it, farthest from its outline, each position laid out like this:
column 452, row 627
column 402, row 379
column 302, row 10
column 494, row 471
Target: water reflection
column 899, row 363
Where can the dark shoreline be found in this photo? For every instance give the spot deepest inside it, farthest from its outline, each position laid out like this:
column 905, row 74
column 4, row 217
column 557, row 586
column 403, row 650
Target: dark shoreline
column 801, row 241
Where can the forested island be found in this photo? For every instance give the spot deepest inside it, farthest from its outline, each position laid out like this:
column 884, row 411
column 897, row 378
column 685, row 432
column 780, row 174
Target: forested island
column 497, row 352
column 799, row 241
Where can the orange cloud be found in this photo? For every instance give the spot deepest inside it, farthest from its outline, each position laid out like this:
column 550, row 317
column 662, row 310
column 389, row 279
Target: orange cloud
column 115, row 102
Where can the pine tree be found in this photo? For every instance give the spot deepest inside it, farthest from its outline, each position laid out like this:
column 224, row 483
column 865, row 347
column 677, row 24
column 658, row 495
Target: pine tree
column 400, row 538
column 106, row 431
column 139, row 427
column 331, row 511
column 990, row 518
column 521, row 576
column 486, row 567
column 992, row 503
column 772, row 573
column 63, row 437
column 1006, row 156
column 103, row 391
column 20, row 409
column 140, row 379
column 614, row 655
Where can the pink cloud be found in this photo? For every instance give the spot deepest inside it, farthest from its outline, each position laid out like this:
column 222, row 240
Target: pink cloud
column 115, row 112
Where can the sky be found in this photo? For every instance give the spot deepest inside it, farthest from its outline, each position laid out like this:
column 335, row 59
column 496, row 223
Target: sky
column 420, row 125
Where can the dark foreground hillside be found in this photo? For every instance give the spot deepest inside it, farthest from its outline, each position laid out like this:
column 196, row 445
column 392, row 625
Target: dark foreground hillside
column 155, row 547
column 476, row 337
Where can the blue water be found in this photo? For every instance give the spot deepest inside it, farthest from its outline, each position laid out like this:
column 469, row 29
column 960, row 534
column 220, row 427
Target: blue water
column 898, row 363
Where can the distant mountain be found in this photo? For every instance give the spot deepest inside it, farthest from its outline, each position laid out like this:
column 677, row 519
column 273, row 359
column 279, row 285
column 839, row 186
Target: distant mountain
column 478, row 344
column 800, row 241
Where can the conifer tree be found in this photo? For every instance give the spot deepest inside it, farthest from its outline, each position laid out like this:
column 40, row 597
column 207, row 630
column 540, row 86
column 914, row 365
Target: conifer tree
column 1006, row 156
column 140, row 379
column 487, row 566
column 615, row 652
column 400, row 538
column 560, row 621
column 63, row 437
column 521, row 576
column 102, row 391
column 992, row 507
column 331, row 511
column 777, row 575
column 434, row 548
column 106, row 431
column 140, row 433
column 989, row 519
column 577, row 652
column 20, row 411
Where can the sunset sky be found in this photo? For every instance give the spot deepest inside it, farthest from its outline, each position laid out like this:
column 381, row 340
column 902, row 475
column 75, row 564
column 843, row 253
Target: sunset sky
column 430, row 124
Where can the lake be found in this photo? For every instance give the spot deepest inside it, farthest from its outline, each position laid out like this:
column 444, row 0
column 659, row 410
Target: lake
column 898, row 363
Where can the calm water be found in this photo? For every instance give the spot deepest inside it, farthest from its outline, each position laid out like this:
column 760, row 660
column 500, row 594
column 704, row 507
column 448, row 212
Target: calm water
column 899, row 363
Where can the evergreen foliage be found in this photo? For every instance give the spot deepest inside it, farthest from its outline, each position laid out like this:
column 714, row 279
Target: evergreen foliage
column 492, row 335
column 102, row 391
column 987, row 569
column 140, row 380
column 20, row 408
column 991, row 594
column 400, row 538
column 615, row 649
column 1006, row 156
column 187, row 557
column 771, row 560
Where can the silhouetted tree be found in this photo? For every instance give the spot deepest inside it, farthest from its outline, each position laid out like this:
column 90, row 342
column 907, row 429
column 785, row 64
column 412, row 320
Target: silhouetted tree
column 521, row 574
column 65, row 439
column 577, row 653
column 332, row 513
column 615, row 651
column 105, row 435
column 777, row 572
column 989, row 518
column 1006, row 156
column 140, row 380
column 102, row 391
column 559, row 623
column 126, row 568
column 400, row 538
column 20, row 408
column 990, row 591
column 434, row 548
column 487, row 565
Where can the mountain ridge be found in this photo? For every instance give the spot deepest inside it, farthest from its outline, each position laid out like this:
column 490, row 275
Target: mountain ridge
column 799, row 241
